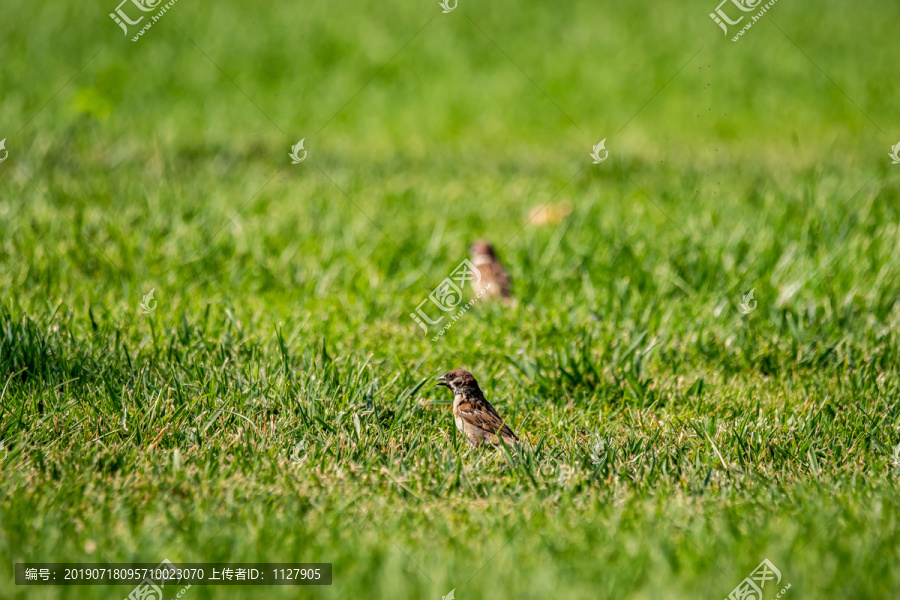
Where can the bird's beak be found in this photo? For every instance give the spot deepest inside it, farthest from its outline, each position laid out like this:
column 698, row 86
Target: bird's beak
column 442, row 382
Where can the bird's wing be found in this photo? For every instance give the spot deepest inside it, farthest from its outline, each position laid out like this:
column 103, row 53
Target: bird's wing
column 480, row 413
column 502, row 279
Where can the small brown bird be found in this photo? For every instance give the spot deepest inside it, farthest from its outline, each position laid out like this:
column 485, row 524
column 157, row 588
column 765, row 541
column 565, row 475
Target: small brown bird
column 494, row 281
column 474, row 416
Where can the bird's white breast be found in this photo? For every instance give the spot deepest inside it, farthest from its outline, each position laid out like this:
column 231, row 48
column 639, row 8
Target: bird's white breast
column 456, row 417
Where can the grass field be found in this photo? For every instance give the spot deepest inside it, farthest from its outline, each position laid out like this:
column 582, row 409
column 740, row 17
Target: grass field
column 277, row 404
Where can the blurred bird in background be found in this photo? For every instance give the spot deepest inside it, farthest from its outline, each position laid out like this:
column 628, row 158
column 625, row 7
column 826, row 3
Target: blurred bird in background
column 494, row 279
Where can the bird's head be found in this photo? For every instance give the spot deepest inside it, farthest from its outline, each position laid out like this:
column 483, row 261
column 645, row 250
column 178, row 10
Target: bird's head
column 482, row 248
column 459, row 381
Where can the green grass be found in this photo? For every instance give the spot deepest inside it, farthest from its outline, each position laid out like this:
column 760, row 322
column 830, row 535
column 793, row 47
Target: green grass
column 676, row 441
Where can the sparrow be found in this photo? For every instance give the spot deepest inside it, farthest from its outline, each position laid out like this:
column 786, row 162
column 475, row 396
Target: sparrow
column 494, row 281
column 474, row 416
